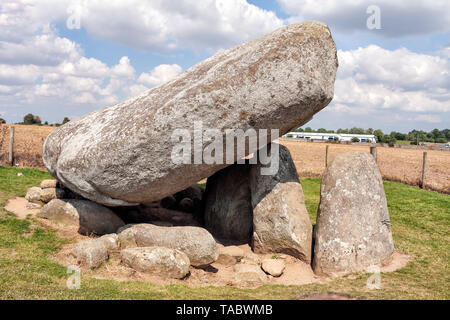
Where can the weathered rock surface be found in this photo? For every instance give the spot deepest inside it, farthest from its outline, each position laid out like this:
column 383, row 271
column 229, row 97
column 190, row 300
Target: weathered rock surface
column 165, row 262
column 88, row 216
column 197, row 243
column 249, row 274
column 353, row 226
column 91, row 253
column 230, row 255
column 48, row 194
column 274, row 267
column 49, row 183
column 228, row 208
column 111, row 241
column 33, row 194
column 121, row 154
column 280, row 220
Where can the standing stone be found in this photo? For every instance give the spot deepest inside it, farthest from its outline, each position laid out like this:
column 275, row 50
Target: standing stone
column 88, row 216
column 122, row 154
column 162, row 261
column 197, row 243
column 280, row 220
column 228, row 208
column 353, row 228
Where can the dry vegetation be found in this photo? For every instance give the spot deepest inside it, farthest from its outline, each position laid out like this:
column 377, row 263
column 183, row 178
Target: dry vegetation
column 28, row 142
column 396, row 164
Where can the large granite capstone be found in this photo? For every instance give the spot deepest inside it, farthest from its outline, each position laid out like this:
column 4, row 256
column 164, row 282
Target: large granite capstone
column 121, row 154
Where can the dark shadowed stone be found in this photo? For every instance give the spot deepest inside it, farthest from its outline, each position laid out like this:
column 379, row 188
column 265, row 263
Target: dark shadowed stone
column 164, row 262
column 280, row 220
column 228, row 208
column 353, row 227
column 88, row 216
column 121, row 154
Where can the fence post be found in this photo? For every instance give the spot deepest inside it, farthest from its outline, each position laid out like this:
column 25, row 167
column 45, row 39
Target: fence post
column 326, row 156
column 424, row 167
column 373, row 151
column 11, row 146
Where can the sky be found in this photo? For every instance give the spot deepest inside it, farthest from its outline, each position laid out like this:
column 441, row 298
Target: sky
column 63, row 58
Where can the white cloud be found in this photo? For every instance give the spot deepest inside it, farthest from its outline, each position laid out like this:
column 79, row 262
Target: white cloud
column 164, row 25
column 373, row 79
column 159, row 75
column 398, row 18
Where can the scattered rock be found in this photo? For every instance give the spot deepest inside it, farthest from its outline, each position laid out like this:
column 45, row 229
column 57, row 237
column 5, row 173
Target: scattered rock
column 165, row 262
column 91, row 253
column 168, row 202
column 353, row 227
column 228, row 208
column 33, row 194
column 111, row 241
column 274, row 267
column 32, row 205
column 280, row 220
column 279, row 80
column 186, row 205
column 88, row 216
column 49, row 194
column 197, row 243
column 49, row 183
column 249, row 275
column 230, row 255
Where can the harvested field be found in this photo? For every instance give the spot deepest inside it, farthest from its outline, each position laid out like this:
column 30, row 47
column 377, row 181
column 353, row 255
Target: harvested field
column 396, row 164
column 28, row 142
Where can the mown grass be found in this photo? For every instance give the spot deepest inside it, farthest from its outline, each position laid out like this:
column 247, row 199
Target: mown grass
column 420, row 222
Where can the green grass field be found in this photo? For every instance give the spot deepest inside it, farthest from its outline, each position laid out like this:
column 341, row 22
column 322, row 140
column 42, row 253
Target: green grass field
column 420, row 223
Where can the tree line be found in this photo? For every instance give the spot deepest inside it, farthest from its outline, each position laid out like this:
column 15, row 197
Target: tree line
column 414, row 136
column 32, row 119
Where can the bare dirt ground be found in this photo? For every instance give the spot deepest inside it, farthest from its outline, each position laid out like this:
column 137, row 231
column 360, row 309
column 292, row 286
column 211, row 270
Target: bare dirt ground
column 295, row 273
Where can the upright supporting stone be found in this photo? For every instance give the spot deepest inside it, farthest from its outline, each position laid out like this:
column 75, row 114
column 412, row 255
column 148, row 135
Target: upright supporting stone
column 280, row 220
column 353, row 228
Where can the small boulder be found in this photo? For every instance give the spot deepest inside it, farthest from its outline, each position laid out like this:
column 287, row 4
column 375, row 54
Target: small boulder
column 33, row 194
column 91, row 253
column 230, row 255
column 186, row 205
column 49, row 183
column 166, row 262
column 197, row 243
column 353, row 228
column 49, row 194
column 280, row 220
column 249, row 275
column 274, row 267
column 111, row 241
column 168, row 202
column 88, row 216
